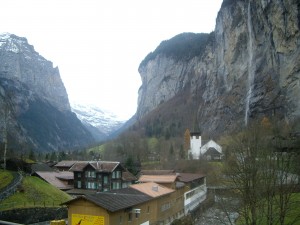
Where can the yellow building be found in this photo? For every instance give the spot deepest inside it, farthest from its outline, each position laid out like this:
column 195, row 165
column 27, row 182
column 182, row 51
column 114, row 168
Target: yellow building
column 148, row 203
column 145, row 204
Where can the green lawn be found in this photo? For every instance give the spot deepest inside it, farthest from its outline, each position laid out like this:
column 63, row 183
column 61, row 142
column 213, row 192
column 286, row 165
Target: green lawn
column 6, row 178
column 35, row 192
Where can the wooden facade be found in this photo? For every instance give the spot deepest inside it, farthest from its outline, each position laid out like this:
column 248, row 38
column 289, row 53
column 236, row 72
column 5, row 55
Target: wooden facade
column 99, row 176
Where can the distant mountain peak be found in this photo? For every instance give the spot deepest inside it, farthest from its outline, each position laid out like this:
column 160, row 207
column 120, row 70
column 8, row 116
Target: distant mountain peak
column 105, row 121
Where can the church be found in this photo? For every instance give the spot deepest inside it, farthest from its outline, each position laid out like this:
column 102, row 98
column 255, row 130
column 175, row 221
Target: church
column 209, row 151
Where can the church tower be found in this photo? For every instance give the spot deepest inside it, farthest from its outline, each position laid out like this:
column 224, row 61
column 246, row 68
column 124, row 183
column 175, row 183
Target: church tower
column 195, row 144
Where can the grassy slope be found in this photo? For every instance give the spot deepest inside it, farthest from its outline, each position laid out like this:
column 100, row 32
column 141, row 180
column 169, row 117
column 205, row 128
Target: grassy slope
column 35, row 192
column 6, row 178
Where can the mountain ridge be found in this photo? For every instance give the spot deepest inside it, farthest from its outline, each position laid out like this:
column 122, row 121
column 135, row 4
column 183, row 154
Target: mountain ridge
column 35, row 110
column 248, row 69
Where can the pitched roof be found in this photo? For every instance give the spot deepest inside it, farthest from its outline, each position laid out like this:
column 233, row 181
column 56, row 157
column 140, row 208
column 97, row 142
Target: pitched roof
column 102, row 166
column 79, row 166
column 189, row 177
column 157, row 172
column 127, row 176
column 158, row 178
column 153, row 175
column 212, row 151
column 65, row 175
column 75, row 191
column 114, row 201
column 152, row 189
column 52, row 178
column 65, row 163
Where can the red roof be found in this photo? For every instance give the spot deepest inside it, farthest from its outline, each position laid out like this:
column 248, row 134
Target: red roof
column 152, row 189
column 53, row 179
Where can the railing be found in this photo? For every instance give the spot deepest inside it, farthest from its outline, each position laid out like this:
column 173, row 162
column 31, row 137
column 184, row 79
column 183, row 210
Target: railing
column 194, row 197
column 12, row 187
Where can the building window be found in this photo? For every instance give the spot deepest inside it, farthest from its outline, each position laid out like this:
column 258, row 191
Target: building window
column 116, row 185
column 90, row 174
column 79, row 184
column 116, row 174
column 78, row 175
column 148, row 209
column 105, row 179
column 120, row 219
column 137, row 215
column 130, row 216
column 165, row 206
column 91, row 185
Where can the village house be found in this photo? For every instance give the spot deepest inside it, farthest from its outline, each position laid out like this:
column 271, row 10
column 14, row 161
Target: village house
column 100, row 176
column 194, row 185
column 209, row 151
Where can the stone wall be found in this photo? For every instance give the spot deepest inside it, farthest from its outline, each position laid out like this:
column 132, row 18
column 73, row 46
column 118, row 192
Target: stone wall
column 34, row 215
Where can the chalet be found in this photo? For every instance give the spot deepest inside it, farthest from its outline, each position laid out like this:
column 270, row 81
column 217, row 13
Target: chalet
column 100, row 175
column 209, row 151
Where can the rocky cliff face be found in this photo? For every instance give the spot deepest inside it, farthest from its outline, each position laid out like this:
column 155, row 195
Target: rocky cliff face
column 249, row 67
column 19, row 61
column 34, row 105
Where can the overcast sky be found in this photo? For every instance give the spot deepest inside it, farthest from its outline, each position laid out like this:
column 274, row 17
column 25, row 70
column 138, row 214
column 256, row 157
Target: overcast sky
column 98, row 45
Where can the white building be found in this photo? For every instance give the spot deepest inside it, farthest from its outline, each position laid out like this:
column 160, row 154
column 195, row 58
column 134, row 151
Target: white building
column 210, row 150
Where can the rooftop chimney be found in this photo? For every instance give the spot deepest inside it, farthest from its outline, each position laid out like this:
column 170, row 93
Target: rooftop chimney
column 155, row 188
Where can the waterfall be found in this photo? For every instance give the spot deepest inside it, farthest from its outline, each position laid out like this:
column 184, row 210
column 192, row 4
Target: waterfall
column 251, row 65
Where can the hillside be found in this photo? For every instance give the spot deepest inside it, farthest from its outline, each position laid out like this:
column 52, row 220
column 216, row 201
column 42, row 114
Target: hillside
column 34, row 192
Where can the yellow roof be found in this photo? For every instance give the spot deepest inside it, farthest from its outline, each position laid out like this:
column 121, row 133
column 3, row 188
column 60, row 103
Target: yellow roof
column 152, row 189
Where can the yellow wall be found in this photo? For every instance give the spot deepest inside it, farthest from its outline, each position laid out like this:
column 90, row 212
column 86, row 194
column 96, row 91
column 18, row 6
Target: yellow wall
column 83, row 207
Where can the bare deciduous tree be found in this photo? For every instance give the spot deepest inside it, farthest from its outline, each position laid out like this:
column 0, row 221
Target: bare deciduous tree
column 261, row 171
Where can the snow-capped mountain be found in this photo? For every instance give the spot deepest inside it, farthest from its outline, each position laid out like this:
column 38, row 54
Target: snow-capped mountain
column 101, row 123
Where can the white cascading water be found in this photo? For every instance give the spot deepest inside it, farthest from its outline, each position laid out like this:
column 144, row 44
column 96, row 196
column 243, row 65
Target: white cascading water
column 251, row 66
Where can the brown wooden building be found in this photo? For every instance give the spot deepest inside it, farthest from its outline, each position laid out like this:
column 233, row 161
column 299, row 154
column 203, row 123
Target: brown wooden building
column 100, row 176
